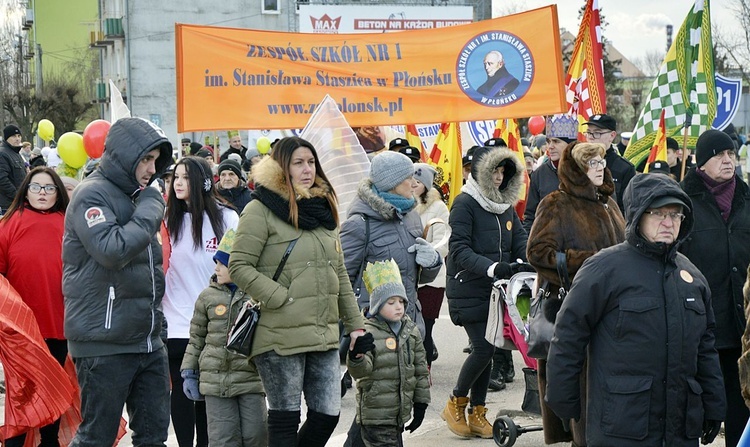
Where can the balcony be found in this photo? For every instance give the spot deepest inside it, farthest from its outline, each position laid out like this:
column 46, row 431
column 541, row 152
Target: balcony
column 113, row 28
column 109, row 30
column 101, row 90
column 28, row 20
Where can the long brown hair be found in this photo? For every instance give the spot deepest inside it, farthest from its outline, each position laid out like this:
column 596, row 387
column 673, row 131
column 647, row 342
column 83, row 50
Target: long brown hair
column 282, row 154
column 20, row 202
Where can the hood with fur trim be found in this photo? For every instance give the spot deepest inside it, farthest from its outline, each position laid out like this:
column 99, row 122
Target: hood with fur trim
column 487, row 164
column 574, row 181
column 433, row 195
column 268, row 173
column 371, row 204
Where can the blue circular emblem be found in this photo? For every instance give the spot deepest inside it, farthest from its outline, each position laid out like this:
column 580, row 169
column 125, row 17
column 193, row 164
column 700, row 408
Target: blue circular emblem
column 495, row 68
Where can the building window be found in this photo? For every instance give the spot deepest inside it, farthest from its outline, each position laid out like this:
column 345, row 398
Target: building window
column 271, row 7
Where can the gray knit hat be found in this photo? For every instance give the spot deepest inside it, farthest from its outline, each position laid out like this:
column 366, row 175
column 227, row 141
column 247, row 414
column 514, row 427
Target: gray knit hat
column 389, row 168
column 383, row 280
column 425, row 174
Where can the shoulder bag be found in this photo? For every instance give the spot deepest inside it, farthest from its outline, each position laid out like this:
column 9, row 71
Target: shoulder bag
column 240, row 336
column 541, row 329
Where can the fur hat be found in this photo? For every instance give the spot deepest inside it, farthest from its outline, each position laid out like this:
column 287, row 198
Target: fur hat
column 225, row 247
column 425, row 174
column 389, row 168
column 232, row 166
column 383, row 280
column 710, row 143
column 10, row 130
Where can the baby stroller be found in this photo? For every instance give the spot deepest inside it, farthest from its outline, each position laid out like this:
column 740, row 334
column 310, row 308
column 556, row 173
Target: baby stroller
column 507, row 329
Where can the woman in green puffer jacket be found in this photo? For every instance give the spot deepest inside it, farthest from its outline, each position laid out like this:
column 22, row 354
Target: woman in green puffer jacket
column 295, row 347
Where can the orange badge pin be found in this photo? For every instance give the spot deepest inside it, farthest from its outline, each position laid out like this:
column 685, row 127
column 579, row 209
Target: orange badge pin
column 686, row 276
column 390, row 343
column 220, row 309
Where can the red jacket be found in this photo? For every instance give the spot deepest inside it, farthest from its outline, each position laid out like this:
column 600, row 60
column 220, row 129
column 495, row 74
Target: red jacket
column 31, row 260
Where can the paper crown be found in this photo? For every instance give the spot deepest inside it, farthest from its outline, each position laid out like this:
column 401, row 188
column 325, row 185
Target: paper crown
column 232, row 133
column 562, row 126
column 381, row 273
column 227, row 241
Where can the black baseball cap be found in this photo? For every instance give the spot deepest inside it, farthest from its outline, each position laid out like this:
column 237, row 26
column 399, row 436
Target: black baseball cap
column 658, row 166
column 495, row 142
column 603, row 121
column 411, row 152
column 397, row 143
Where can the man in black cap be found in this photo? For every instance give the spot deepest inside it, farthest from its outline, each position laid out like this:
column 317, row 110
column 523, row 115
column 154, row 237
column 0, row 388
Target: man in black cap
column 659, row 167
column 232, row 184
column 397, row 143
column 12, row 166
column 719, row 246
column 602, row 129
column 411, row 152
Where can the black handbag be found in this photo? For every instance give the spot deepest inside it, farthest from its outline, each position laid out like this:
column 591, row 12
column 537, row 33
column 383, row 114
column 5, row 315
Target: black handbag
column 541, row 328
column 240, row 335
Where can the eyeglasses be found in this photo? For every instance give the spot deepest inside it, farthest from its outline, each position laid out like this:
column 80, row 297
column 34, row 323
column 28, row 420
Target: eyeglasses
column 596, row 135
column 36, row 188
column 593, row 164
column 661, row 217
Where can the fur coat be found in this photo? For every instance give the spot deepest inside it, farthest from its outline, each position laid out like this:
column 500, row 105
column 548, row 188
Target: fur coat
column 579, row 219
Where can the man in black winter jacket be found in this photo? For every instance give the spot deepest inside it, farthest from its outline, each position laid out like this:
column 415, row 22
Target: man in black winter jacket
column 113, row 285
column 12, row 166
column 642, row 311
column 720, row 247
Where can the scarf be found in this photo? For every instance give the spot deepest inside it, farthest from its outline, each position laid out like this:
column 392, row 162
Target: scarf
column 401, row 203
column 311, row 213
column 723, row 192
column 472, row 189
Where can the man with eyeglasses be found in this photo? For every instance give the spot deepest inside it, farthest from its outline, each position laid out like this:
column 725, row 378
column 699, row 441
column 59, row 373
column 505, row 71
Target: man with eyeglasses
column 720, row 247
column 642, row 311
column 602, row 128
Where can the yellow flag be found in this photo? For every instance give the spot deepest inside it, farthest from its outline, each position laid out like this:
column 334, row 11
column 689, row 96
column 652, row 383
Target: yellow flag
column 446, row 157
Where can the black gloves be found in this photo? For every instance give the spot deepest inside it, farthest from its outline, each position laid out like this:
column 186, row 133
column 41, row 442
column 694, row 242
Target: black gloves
column 416, row 421
column 362, row 345
column 503, row 270
column 710, row 430
column 521, row 267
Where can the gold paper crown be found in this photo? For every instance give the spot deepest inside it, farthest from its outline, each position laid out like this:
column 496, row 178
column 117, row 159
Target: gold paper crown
column 380, row 274
column 227, row 241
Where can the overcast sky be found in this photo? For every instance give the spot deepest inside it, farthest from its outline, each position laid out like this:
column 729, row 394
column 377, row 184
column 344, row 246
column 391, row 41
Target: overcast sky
column 634, row 26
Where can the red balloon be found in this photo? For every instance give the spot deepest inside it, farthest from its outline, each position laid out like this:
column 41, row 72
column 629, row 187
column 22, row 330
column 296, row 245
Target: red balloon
column 94, row 136
column 536, row 125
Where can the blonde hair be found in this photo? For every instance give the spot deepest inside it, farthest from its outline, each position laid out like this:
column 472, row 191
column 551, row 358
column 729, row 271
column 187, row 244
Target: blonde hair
column 583, row 152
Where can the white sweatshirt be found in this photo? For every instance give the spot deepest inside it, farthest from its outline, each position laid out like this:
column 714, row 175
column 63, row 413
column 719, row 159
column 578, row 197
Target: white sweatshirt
column 190, row 271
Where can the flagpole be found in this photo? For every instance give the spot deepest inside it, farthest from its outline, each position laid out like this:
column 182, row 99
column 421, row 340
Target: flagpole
column 686, row 129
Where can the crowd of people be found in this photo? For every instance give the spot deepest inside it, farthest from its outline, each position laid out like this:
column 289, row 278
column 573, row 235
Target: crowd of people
column 149, row 260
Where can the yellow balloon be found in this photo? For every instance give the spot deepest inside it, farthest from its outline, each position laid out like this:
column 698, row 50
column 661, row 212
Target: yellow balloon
column 46, row 130
column 263, row 144
column 71, row 149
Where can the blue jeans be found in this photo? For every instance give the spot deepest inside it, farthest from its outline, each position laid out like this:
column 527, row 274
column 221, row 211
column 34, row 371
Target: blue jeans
column 108, row 383
column 316, row 374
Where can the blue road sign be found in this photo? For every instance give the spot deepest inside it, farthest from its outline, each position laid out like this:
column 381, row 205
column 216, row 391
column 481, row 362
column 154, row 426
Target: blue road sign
column 728, row 92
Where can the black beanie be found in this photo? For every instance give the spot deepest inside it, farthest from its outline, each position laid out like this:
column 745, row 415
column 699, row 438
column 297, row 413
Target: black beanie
column 10, row 130
column 232, row 166
column 710, row 143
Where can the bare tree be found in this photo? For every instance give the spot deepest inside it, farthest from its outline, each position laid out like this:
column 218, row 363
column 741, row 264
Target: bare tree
column 650, row 62
column 733, row 42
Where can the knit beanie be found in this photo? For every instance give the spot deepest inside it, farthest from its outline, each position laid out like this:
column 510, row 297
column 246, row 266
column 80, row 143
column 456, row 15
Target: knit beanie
column 425, row 174
column 540, row 141
column 225, row 247
column 233, row 166
column 382, row 280
column 10, row 130
column 710, row 143
column 389, row 168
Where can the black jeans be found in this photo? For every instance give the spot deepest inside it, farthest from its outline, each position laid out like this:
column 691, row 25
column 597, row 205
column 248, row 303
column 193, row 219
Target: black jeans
column 737, row 412
column 48, row 433
column 475, row 372
column 188, row 418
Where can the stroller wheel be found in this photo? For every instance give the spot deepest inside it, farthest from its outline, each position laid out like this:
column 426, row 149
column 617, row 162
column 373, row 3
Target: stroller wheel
column 504, row 431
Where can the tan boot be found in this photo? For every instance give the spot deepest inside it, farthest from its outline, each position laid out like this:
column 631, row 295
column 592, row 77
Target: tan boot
column 478, row 423
column 454, row 414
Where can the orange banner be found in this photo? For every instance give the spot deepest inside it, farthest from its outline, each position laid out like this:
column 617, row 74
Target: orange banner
column 508, row 67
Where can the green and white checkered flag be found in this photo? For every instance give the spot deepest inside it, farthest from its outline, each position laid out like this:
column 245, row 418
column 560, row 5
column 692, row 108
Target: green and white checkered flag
column 684, row 87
